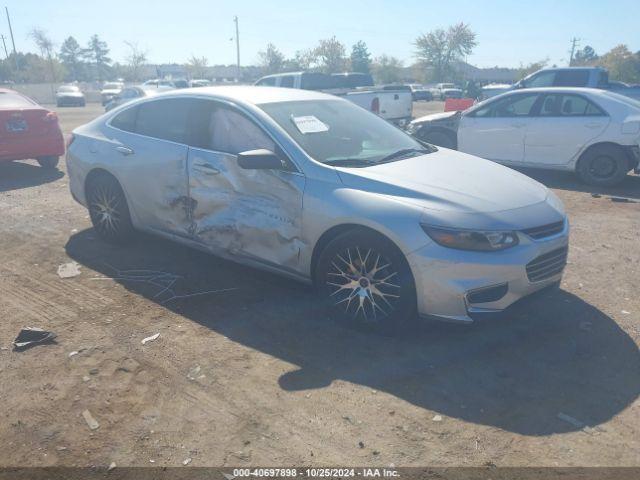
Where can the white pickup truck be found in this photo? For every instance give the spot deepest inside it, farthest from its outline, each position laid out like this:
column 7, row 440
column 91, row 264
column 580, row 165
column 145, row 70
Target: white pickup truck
column 394, row 103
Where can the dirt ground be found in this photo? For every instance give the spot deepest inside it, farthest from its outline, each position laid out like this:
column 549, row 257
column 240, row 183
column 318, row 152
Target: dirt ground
column 256, row 376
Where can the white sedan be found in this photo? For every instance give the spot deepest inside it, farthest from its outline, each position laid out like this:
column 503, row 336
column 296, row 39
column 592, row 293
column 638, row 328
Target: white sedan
column 592, row 132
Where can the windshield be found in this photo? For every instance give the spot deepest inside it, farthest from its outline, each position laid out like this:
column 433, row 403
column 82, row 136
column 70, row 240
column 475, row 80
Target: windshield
column 68, row 88
column 623, row 99
column 336, row 131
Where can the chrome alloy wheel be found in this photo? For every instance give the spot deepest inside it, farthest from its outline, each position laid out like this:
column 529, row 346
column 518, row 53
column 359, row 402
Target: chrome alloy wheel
column 105, row 206
column 363, row 283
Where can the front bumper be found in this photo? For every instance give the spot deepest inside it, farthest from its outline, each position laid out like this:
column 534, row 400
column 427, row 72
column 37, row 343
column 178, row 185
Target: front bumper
column 448, row 281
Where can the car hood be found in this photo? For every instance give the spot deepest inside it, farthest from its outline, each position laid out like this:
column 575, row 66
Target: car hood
column 69, row 94
column 455, row 186
column 435, row 117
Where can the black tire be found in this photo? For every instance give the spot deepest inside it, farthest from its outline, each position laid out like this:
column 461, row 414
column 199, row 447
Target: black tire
column 380, row 299
column 108, row 209
column 603, row 165
column 441, row 139
column 49, row 162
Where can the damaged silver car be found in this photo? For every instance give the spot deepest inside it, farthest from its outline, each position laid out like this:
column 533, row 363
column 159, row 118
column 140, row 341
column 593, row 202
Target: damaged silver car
column 316, row 188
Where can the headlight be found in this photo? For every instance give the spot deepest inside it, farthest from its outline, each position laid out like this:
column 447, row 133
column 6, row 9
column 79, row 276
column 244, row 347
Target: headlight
column 482, row 241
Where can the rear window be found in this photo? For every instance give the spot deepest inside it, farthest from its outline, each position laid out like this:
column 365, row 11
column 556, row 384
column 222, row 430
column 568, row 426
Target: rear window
column 286, row 82
column 14, row 100
column 126, row 120
column 164, row 119
column 571, row 78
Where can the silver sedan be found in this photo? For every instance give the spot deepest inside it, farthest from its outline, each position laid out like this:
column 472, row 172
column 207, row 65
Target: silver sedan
column 318, row 189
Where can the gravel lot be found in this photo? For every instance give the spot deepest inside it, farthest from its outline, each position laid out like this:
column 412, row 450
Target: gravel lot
column 255, row 376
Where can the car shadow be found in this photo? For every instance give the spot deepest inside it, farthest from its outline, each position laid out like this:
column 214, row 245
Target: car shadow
column 549, row 365
column 629, row 188
column 17, row 175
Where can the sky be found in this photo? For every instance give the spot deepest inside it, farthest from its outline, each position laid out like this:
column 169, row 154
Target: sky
column 509, row 33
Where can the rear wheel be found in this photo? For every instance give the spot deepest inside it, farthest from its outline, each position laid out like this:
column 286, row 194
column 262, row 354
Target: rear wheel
column 48, row 162
column 108, row 209
column 603, row 165
column 365, row 281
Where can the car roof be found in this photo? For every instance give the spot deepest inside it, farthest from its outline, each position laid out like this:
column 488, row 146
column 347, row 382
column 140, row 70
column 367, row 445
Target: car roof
column 255, row 95
column 584, row 90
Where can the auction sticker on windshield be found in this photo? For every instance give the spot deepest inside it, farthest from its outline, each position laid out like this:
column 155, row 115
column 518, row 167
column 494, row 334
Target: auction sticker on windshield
column 309, row 124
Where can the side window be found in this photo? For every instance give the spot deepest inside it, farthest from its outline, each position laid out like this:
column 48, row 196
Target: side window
column 543, row 79
column 569, row 106
column 164, row 119
column 129, row 93
column 232, row 132
column 286, row 82
column 571, row 78
column 126, row 120
column 512, row 106
column 270, row 81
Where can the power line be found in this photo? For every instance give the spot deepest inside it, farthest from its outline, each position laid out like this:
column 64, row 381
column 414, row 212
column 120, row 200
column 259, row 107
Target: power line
column 574, row 44
column 13, row 42
column 4, row 44
column 235, row 19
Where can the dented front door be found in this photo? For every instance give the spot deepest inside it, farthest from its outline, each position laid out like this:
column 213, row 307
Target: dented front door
column 245, row 213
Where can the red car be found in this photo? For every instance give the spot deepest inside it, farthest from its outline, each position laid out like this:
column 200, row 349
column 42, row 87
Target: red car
column 28, row 130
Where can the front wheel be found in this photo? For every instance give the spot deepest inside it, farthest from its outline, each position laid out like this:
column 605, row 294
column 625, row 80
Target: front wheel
column 365, row 281
column 603, row 165
column 108, row 209
column 48, row 162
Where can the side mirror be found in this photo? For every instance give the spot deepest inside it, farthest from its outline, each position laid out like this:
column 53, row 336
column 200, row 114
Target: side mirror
column 261, row 159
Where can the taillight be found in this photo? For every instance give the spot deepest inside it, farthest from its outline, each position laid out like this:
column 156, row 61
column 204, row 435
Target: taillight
column 70, row 139
column 375, row 105
column 50, row 117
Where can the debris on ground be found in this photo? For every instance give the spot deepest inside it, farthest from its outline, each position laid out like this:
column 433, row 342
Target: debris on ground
column 569, row 419
column 164, row 281
column 32, row 336
column 73, row 354
column 150, row 339
column 625, row 312
column 94, row 371
column 91, row 422
column 86, row 378
column 623, row 200
column 112, row 466
column 186, row 461
column 361, row 444
column 596, row 195
column 437, row 418
column 194, row 373
column 69, row 270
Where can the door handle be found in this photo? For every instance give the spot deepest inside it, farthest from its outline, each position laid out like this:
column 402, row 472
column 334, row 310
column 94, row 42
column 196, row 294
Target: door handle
column 208, row 168
column 124, row 150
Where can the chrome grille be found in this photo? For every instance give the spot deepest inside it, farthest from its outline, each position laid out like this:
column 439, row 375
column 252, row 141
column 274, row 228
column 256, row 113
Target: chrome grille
column 547, row 265
column 544, row 231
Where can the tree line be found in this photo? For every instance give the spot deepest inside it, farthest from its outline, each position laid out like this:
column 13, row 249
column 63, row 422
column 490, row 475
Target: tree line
column 438, row 55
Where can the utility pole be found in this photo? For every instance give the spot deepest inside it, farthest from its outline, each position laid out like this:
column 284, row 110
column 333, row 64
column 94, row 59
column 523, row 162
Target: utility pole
column 235, row 19
column 574, row 44
column 13, row 42
column 4, row 44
